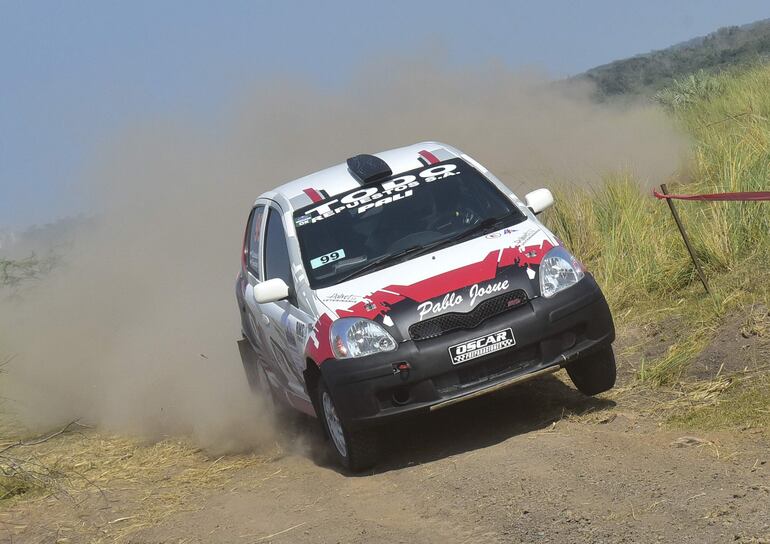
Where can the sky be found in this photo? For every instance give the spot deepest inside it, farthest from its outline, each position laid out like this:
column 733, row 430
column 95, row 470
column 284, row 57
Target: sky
column 72, row 74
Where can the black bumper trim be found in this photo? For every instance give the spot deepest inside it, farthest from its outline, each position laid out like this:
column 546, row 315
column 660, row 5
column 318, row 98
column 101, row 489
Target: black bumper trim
column 495, row 387
column 549, row 334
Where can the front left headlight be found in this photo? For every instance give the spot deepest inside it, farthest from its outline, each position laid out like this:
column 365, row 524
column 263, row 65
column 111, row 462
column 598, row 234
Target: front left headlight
column 559, row 270
column 356, row 337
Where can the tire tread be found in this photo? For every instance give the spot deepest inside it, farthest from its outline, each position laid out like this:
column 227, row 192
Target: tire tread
column 362, row 445
column 596, row 373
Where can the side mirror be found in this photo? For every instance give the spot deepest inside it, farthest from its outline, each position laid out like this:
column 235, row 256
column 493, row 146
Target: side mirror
column 539, row 200
column 271, row 291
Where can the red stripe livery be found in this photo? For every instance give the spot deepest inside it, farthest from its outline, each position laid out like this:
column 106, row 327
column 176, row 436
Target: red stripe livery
column 379, row 301
column 313, row 194
column 428, row 156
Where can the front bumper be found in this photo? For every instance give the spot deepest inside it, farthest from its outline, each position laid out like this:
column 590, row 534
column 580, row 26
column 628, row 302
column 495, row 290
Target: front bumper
column 549, row 334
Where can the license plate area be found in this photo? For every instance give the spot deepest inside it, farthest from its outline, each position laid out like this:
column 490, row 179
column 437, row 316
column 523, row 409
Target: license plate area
column 481, row 346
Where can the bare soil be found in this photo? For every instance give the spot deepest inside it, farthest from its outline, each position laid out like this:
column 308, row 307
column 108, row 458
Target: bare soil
column 742, row 342
column 538, row 463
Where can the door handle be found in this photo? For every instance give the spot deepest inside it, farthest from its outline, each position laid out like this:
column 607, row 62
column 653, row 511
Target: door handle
column 265, row 319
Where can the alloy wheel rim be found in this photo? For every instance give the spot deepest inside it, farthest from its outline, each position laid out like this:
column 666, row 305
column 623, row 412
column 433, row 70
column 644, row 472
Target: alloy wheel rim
column 334, row 425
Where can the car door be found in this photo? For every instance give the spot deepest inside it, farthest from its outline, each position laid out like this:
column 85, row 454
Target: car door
column 284, row 320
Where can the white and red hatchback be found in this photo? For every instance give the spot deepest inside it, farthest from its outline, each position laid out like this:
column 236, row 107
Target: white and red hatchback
column 405, row 282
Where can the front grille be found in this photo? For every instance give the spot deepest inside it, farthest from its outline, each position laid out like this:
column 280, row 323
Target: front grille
column 436, row 326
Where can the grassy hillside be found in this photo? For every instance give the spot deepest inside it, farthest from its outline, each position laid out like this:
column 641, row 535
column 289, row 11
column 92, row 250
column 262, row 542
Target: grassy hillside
column 628, row 237
column 648, row 73
column 631, row 244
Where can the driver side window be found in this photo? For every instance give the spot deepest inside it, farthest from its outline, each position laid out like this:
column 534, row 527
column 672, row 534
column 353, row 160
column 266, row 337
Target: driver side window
column 277, row 262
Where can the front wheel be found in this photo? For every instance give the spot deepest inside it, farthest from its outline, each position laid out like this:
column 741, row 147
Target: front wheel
column 595, row 373
column 354, row 450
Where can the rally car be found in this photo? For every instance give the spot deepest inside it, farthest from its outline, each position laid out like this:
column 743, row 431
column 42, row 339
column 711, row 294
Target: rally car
column 404, row 282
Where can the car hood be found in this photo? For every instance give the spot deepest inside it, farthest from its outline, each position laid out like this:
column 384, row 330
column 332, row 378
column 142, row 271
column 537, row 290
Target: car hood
column 455, row 279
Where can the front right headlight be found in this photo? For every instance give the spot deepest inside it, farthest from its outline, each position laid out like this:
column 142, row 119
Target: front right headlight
column 356, row 337
column 559, row 270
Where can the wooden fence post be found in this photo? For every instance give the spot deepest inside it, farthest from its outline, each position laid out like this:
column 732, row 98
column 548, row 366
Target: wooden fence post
column 686, row 239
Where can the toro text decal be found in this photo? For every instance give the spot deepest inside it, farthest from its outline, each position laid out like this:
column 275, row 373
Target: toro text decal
column 367, row 198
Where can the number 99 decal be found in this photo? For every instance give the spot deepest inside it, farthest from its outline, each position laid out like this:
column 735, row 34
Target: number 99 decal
column 335, row 255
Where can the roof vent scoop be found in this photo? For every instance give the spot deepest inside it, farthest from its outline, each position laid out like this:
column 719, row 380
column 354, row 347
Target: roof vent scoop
column 368, row 168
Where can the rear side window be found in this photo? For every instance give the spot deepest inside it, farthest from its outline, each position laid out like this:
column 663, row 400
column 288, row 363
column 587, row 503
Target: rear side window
column 255, row 233
column 277, row 263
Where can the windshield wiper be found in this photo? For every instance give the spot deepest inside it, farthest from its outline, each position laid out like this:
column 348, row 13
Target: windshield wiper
column 488, row 224
column 381, row 261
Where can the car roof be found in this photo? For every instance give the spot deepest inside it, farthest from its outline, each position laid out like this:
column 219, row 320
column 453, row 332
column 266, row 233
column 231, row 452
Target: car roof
column 337, row 179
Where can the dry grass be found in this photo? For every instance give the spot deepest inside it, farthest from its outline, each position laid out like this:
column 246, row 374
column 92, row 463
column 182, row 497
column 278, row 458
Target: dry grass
column 115, row 485
column 738, row 402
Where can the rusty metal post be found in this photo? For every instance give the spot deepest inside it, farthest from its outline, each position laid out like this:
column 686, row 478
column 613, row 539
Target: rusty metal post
column 686, row 239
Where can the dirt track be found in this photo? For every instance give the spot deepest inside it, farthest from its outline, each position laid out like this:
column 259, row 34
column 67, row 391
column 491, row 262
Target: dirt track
column 492, row 470
column 497, row 472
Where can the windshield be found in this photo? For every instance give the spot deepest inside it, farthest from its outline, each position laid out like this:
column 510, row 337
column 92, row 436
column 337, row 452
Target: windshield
column 378, row 224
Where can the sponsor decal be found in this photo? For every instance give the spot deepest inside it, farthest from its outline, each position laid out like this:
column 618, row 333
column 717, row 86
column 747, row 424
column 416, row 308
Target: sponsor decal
column 430, row 307
column 341, row 297
column 375, row 196
column 522, row 239
column 301, row 330
column 475, row 293
column 483, row 345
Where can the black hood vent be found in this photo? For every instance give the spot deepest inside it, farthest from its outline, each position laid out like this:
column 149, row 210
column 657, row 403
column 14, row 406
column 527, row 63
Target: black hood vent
column 368, row 168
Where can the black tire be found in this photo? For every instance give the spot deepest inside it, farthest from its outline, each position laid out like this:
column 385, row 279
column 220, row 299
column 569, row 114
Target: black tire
column 595, row 373
column 361, row 447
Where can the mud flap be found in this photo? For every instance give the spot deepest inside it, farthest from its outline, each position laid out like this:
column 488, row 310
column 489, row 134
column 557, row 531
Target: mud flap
column 249, row 360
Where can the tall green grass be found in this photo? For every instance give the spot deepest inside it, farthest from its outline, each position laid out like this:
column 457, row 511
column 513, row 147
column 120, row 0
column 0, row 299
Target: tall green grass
column 629, row 241
column 622, row 236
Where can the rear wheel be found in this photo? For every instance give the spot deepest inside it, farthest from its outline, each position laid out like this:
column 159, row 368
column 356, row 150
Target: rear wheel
column 354, row 450
column 595, row 373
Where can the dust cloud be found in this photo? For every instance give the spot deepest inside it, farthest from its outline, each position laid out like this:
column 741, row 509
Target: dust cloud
column 136, row 330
